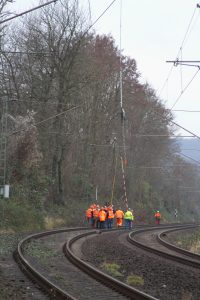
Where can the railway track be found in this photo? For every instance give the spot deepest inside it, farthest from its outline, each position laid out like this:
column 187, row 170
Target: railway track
column 62, row 278
column 153, row 240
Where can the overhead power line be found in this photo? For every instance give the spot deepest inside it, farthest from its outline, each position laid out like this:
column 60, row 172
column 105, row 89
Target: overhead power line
column 27, row 11
column 185, row 88
column 21, row 52
column 196, row 161
column 46, row 120
column 57, row 115
column 100, row 16
column 164, row 117
column 177, row 62
column 185, row 110
column 180, row 49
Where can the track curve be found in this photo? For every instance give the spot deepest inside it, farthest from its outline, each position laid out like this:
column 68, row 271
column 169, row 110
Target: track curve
column 107, row 288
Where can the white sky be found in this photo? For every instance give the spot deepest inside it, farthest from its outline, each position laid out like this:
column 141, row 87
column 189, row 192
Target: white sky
column 152, row 32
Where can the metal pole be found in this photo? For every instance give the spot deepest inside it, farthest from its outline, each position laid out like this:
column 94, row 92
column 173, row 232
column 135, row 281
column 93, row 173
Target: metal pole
column 96, row 194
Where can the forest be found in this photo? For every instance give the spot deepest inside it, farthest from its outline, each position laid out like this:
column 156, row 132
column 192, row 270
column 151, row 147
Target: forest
column 63, row 141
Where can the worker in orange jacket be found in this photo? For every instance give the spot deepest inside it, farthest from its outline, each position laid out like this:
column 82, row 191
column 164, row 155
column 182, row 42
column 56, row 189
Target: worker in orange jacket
column 119, row 215
column 96, row 216
column 89, row 215
column 110, row 217
column 157, row 217
column 102, row 218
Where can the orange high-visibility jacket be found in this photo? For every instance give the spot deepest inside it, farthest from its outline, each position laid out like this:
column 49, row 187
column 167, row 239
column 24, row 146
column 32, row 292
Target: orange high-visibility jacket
column 102, row 215
column 119, row 214
column 89, row 213
column 157, row 215
column 110, row 214
column 95, row 213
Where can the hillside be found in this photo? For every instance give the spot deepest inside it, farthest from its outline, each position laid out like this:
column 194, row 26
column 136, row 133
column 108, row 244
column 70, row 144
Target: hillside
column 190, row 147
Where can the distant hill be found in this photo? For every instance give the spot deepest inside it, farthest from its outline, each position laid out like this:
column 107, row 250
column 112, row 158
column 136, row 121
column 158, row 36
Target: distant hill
column 190, row 147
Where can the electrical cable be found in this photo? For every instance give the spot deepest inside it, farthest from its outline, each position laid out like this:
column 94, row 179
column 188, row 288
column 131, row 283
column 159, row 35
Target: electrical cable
column 54, row 116
column 114, row 177
column 101, row 15
column 180, row 49
column 27, row 11
column 45, row 120
column 185, row 88
column 163, row 117
column 196, row 161
column 185, row 110
column 123, row 159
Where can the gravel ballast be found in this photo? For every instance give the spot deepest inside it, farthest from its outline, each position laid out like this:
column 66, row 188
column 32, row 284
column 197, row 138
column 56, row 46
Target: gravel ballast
column 163, row 279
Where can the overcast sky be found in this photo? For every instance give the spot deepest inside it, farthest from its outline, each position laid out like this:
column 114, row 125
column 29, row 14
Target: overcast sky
column 152, row 32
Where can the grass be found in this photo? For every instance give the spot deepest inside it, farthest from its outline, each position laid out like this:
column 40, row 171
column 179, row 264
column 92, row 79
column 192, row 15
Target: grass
column 112, row 269
column 189, row 241
column 43, row 253
column 135, row 280
column 53, row 222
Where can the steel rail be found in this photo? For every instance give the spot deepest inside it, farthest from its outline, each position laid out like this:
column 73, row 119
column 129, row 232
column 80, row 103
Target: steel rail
column 161, row 240
column 55, row 291
column 49, row 287
column 106, row 279
column 185, row 261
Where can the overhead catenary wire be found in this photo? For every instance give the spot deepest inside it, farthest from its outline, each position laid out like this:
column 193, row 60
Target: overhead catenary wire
column 45, row 120
column 180, row 49
column 158, row 167
column 27, row 11
column 194, row 160
column 173, row 122
column 186, row 110
column 64, row 112
column 177, row 62
column 85, row 32
column 59, row 114
column 185, row 88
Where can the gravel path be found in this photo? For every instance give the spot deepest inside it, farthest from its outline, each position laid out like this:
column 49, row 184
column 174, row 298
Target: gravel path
column 13, row 283
column 163, row 279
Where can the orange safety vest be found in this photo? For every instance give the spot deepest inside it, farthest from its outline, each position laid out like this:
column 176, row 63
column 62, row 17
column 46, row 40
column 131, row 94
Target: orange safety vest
column 119, row 214
column 89, row 213
column 95, row 213
column 158, row 215
column 102, row 215
column 110, row 214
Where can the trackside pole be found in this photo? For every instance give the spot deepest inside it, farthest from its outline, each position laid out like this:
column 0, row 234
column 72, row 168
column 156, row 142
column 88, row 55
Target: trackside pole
column 124, row 183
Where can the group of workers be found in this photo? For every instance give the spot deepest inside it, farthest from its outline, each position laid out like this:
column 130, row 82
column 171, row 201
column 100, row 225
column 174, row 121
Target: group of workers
column 103, row 217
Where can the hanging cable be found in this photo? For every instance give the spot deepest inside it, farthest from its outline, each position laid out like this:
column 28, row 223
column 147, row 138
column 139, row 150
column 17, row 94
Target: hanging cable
column 123, row 116
column 124, row 183
column 121, row 86
column 114, row 178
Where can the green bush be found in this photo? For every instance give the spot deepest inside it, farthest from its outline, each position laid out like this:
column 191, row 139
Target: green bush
column 112, row 269
column 135, row 280
column 19, row 217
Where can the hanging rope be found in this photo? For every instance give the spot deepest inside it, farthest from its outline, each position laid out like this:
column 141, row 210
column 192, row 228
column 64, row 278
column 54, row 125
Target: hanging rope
column 113, row 183
column 123, row 116
column 124, row 183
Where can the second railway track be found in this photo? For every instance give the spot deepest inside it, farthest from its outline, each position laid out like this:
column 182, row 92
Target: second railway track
column 154, row 241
